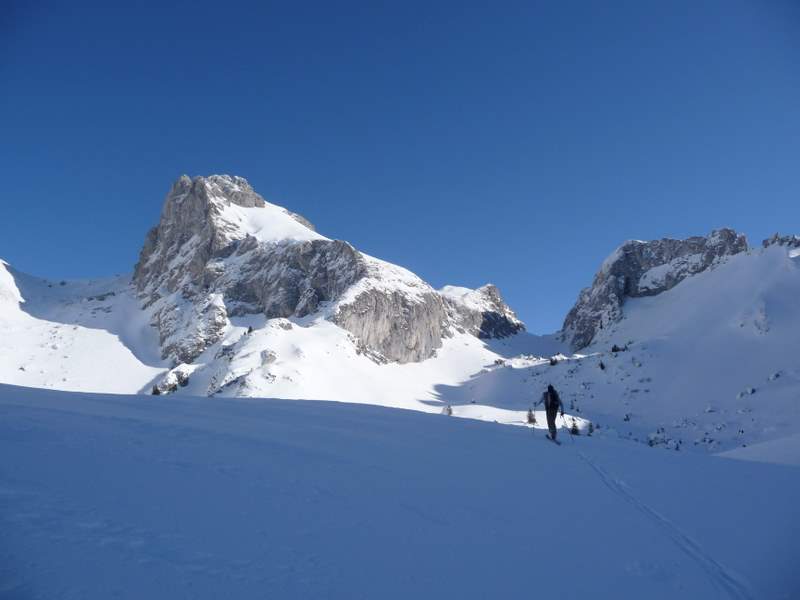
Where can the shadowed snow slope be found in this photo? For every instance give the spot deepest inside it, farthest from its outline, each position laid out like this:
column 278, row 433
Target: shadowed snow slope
column 152, row 497
column 76, row 335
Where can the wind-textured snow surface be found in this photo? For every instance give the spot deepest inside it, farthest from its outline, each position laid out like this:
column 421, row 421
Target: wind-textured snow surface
column 176, row 497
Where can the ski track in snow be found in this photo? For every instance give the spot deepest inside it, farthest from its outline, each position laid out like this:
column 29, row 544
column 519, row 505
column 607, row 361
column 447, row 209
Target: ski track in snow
column 718, row 573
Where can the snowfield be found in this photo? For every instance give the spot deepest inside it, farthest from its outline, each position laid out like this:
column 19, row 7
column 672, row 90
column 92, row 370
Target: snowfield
column 176, row 497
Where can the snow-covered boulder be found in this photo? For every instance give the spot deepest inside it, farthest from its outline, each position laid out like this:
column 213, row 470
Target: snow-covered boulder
column 638, row 269
column 173, row 379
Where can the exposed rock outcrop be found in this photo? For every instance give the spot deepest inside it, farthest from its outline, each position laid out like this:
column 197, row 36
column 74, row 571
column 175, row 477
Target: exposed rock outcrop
column 481, row 312
column 638, row 269
column 396, row 326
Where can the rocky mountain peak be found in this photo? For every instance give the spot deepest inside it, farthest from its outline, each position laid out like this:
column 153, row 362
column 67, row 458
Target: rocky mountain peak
column 226, row 188
column 638, row 269
column 220, row 250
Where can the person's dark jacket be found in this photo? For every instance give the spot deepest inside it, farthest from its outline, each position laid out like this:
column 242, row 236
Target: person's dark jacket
column 552, row 401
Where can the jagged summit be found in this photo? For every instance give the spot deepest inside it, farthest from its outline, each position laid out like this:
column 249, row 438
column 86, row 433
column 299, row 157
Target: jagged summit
column 790, row 241
column 220, row 250
column 639, row 268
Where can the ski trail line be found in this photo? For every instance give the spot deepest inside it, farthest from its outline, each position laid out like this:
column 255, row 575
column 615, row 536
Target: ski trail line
column 718, row 573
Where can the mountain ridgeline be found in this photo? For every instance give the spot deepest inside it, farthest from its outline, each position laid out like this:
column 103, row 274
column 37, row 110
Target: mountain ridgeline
column 233, row 296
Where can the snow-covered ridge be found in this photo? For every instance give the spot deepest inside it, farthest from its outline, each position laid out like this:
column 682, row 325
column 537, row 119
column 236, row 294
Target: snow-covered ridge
column 640, row 268
column 9, row 294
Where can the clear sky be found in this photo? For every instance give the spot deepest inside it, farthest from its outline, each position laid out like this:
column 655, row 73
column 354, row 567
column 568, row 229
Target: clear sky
column 516, row 143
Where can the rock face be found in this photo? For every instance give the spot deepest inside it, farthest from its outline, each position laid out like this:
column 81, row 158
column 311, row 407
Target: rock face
column 481, row 312
column 638, row 269
column 389, row 324
column 220, row 250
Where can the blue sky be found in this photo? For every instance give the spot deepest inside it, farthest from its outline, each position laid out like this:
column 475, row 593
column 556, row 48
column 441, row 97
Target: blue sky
column 516, row 143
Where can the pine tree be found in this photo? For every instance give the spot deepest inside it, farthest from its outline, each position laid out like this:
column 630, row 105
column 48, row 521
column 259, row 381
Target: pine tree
column 250, row 330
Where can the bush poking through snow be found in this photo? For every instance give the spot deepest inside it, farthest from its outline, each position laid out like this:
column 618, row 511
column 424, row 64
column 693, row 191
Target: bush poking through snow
column 574, row 429
column 553, row 361
column 531, row 417
column 447, row 410
column 156, row 391
column 602, row 366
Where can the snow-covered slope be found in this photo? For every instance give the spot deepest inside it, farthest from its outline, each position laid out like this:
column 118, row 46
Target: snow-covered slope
column 142, row 497
column 76, row 335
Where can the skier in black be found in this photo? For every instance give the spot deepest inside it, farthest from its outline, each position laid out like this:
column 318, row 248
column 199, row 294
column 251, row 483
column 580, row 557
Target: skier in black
column 552, row 405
